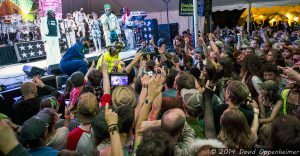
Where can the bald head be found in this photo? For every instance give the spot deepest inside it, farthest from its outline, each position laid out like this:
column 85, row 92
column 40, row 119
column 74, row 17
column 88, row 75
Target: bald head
column 173, row 121
column 28, row 89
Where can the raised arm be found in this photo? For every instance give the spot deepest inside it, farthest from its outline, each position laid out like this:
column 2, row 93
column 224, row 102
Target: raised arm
column 274, row 113
column 210, row 131
column 106, row 81
column 90, row 69
column 111, row 119
column 255, row 123
column 154, row 88
column 136, row 59
column 143, row 96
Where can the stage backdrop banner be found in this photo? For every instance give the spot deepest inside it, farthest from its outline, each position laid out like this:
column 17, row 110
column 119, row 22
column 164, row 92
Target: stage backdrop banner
column 29, row 50
column 186, row 8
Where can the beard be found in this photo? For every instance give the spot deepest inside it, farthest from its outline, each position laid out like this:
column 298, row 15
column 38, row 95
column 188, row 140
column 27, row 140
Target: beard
column 86, row 46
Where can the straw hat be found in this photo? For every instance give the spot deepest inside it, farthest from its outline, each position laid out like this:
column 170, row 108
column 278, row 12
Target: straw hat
column 124, row 95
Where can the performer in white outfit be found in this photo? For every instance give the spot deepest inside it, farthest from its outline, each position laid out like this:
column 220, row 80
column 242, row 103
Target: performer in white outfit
column 50, row 35
column 80, row 17
column 128, row 28
column 110, row 25
column 68, row 27
column 96, row 32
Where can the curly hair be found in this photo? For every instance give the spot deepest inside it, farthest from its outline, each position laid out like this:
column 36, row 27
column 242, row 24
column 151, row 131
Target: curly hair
column 252, row 65
column 156, row 142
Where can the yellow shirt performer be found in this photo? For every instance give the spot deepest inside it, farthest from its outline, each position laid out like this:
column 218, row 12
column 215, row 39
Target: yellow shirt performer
column 112, row 58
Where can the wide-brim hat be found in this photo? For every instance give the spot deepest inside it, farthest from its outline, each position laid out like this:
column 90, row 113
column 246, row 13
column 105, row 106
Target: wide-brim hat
column 124, row 95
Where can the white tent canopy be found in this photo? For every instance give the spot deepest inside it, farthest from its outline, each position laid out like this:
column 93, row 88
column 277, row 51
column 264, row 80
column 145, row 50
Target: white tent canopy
column 159, row 5
column 222, row 5
column 157, row 8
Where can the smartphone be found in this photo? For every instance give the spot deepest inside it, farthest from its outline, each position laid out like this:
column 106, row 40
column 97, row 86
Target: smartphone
column 150, row 73
column 119, row 80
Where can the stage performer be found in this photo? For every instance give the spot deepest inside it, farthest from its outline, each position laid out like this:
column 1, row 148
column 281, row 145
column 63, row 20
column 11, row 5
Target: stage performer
column 68, row 27
column 96, row 32
column 110, row 24
column 112, row 58
column 80, row 17
column 74, row 60
column 128, row 28
column 50, row 35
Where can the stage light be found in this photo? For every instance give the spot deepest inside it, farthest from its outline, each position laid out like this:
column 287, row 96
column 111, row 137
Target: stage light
column 288, row 15
column 296, row 19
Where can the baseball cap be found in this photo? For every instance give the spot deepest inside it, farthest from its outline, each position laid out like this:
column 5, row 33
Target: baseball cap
column 270, row 86
column 161, row 41
column 99, row 125
column 192, row 99
column 198, row 50
column 220, row 44
column 77, row 79
column 107, row 6
column 34, row 127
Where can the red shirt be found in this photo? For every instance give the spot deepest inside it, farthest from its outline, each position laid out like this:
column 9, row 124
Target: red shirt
column 106, row 98
column 74, row 137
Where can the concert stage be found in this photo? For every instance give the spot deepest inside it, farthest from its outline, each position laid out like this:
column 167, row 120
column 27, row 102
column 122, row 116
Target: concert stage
column 11, row 74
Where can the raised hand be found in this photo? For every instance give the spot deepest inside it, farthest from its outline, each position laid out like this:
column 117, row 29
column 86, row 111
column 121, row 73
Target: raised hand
column 111, row 117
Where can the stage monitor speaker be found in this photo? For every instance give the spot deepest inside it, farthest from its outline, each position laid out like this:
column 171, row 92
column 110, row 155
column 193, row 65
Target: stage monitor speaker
column 33, row 71
column 54, row 69
column 50, row 80
column 168, row 33
column 93, row 58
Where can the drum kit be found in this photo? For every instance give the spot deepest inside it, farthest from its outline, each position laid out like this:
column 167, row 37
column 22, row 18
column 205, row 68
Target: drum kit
column 13, row 29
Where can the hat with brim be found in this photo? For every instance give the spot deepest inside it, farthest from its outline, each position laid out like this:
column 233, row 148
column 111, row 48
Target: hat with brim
column 123, row 95
column 34, row 127
column 220, row 44
column 192, row 99
column 270, row 86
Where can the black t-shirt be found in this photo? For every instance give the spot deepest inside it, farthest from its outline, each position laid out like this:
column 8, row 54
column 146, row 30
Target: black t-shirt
column 218, row 111
column 52, row 27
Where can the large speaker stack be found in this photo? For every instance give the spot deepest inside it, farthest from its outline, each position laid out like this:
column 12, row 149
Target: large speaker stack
column 207, row 11
column 168, row 32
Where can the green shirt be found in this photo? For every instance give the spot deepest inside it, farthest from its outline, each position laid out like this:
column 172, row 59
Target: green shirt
column 196, row 126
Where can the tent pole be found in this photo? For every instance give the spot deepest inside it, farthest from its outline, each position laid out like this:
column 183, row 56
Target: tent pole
column 195, row 4
column 248, row 17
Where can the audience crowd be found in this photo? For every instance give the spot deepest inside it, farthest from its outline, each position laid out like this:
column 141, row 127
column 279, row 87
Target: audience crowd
column 231, row 90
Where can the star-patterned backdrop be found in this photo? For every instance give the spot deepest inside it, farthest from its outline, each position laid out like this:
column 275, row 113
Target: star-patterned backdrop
column 35, row 49
column 30, row 50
